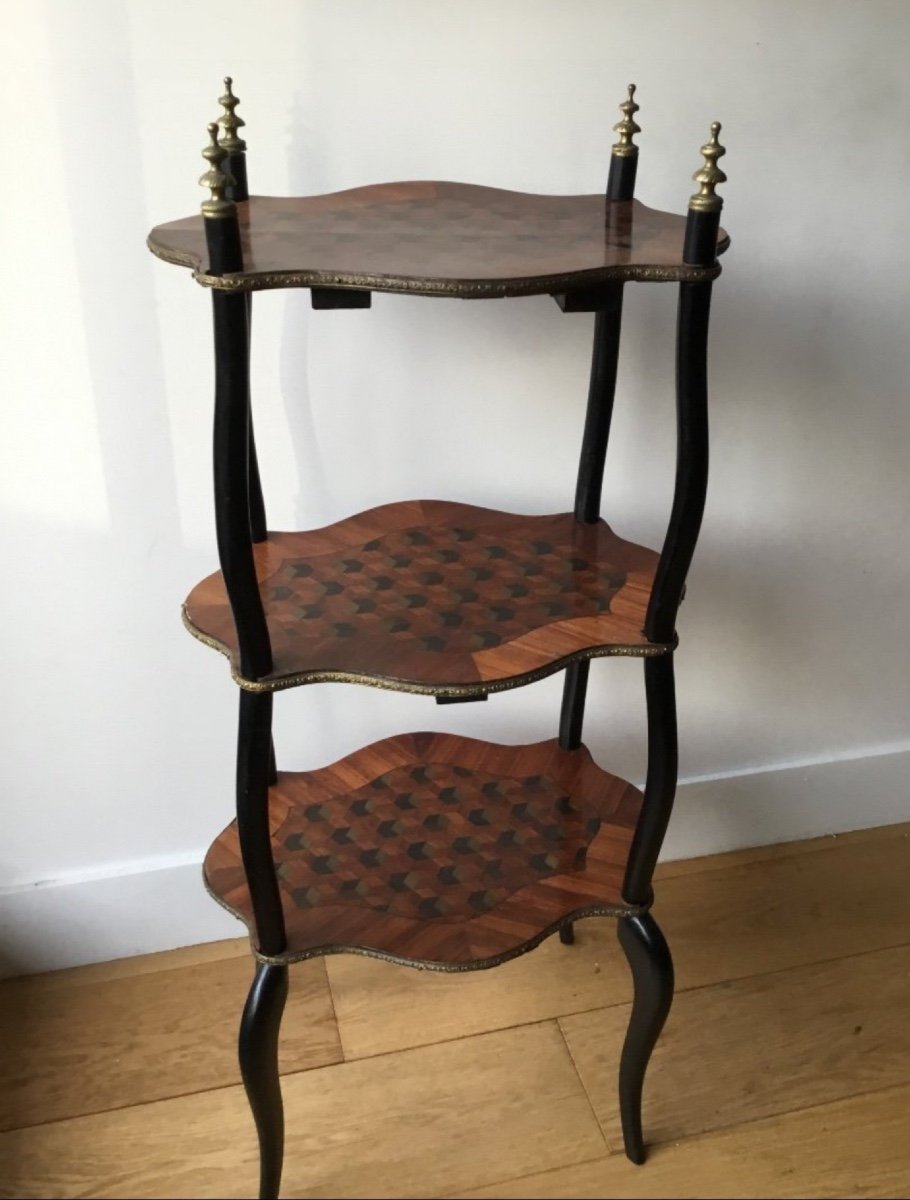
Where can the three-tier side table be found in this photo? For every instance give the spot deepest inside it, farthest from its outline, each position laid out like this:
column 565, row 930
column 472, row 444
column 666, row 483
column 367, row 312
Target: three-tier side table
column 436, row 850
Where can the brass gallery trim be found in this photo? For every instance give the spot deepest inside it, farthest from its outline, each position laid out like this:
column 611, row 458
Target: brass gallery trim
column 454, row 691
column 466, row 289
column 497, row 289
column 177, row 257
column 481, row 964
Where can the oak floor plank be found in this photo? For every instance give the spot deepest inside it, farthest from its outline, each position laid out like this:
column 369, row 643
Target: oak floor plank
column 851, row 1148
column 737, row 1052
column 382, row 1007
column 800, row 848
column 68, row 1051
column 767, row 915
column 759, row 914
column 418, row 1123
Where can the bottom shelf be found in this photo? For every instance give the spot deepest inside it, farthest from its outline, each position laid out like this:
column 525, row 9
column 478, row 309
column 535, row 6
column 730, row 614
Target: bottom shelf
column 438, row 850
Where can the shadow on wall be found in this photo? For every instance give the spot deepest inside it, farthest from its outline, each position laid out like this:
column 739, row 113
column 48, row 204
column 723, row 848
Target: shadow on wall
column 117, row 291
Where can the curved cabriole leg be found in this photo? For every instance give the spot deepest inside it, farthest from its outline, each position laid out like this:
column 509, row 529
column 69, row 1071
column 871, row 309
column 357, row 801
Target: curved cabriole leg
column 652, row 973
column 259, row 1069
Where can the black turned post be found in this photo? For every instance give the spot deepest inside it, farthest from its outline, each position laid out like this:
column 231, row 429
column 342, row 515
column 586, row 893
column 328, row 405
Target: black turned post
column 258, row 1052
column 601, row 390
column 683, row 528
column 232, row 421
column 237, row 190
column 259, row 1028
column 700, row 249
column 254, row 767
column 660, row 784
column 640, row 936
column 598, row 417
column 649, row 958
column 258, row 1047
column 599, row 414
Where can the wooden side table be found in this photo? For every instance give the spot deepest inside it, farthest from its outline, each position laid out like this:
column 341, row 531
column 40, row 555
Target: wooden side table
column 431, row 849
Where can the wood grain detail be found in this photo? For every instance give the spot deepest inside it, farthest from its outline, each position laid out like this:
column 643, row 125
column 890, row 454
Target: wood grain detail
column 438, row 597
column 439, row 850
column 438, row 238
column 820, row 1032
column 74, row 1050
column 856, row 1148
column 452, row 1116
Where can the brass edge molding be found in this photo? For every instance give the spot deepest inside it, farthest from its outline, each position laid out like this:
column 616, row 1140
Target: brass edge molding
column 451, row 691
column 306, row 279
column 709, row 175
column 627, row 128
column 617, row 911
column 466, row 289
column 179, row 258
column 482, row 964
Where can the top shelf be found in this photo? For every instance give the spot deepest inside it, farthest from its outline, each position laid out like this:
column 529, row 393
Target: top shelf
column 441, row 239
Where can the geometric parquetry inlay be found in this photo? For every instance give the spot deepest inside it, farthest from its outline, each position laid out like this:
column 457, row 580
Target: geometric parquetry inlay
column 432, row 841
column 437, row 595
column 439, row 587
column 436, row 849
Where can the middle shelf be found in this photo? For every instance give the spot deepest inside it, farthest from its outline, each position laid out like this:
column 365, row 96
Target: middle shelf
column 438, row 598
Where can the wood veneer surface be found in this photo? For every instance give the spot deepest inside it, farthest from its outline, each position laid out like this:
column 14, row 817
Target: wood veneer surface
column 438, row 238
column 438, row 597
column 440, row 850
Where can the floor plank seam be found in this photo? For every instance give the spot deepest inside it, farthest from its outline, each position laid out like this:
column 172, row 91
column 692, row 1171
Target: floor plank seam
column 581, row 1162
column 608, row 1150
column 463, row 1037
column 328, row 983
column 121, row 1108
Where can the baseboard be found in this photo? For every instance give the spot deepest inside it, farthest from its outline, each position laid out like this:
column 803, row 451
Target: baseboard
column 120, row 912
column 47, row 926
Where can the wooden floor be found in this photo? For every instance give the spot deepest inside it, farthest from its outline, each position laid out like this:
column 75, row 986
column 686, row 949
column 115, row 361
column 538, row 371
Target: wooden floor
column 784, row 1069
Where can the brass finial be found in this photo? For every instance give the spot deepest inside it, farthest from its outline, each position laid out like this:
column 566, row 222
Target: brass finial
column 215, row 179
column 230, row 122
column 709, row 176
column 626, row 128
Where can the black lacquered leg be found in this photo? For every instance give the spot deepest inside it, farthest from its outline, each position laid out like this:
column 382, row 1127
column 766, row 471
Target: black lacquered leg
column 567, row 935
column 652, row 973
column 259, row 1068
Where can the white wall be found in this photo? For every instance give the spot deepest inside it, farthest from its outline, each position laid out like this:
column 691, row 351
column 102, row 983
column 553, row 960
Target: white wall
column 117, row 761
